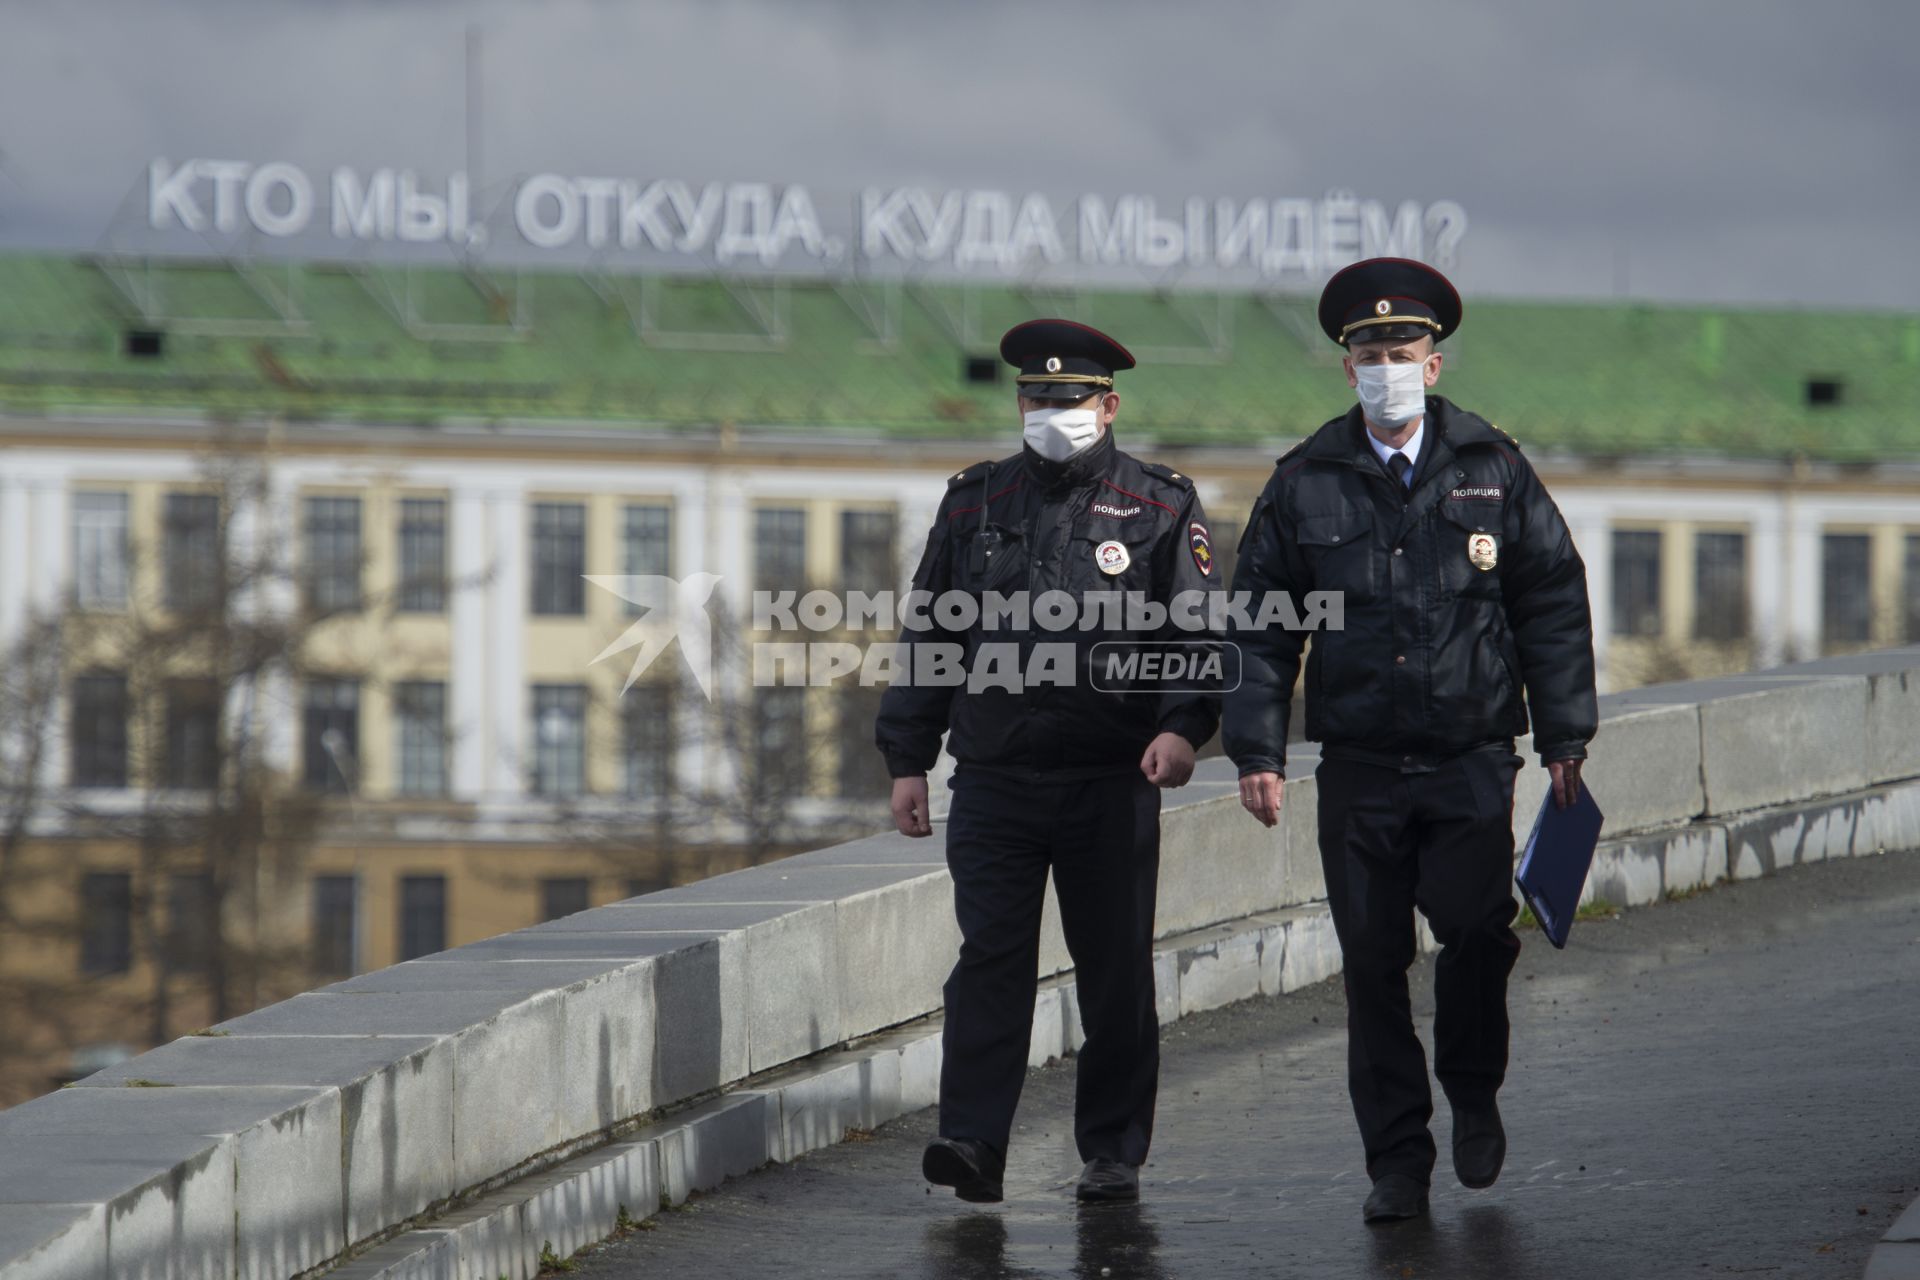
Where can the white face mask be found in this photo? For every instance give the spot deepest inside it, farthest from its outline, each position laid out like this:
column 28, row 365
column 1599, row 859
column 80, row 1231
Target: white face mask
column 1392, row 394
column 1058, row 434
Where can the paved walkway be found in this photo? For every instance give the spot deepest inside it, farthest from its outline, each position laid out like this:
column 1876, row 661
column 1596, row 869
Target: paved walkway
column 1724, row 1085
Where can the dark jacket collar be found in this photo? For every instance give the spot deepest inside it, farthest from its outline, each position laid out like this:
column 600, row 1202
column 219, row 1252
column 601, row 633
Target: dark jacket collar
column 1090, row 463
column 1449, row 427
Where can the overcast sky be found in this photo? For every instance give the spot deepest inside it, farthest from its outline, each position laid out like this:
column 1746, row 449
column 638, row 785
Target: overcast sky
column 1738, row 150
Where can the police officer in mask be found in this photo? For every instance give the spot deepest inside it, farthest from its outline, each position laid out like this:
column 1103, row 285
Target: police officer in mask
column 1465, row 608
column 1056, row 775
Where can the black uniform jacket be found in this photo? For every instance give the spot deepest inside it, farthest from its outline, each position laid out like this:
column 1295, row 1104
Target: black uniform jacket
column 1459, row 595
column 1026, row 524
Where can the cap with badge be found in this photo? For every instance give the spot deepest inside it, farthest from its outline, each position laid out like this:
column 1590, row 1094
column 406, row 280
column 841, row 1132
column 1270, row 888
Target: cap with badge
column 1388, row 299
column 1062, row 360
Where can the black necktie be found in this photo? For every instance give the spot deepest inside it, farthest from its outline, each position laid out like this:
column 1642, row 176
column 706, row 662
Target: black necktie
column 1400, row 465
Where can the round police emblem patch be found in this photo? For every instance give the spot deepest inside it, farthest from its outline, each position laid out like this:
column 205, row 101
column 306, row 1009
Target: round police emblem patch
column 1382, row 307
column 1112, row 557
column 1053, row 364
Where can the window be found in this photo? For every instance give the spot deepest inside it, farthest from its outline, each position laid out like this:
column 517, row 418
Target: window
column 423, row 555
column 192, row 922
column 779, row 741
column 867, row 558
column 99, row 731
column 106, row 922
column 192, row 735
column 1912, row 592
column 559, row 739
column 863, row 770
column 779, row 549
column 330, row 737
column 336, row 926
column 1846, row 594
column 646, row 538
column 333, row 554
column 1720, row 586
column 1636, row 582
column 420, row 717
column 563, row 897
column 192, row 551
column 423, row 916
column 559, row 558
column 649, row 720
column 100, row 550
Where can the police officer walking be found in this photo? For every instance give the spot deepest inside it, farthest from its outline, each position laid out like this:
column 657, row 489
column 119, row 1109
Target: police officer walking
column 1462, row 591
column 1056, row 775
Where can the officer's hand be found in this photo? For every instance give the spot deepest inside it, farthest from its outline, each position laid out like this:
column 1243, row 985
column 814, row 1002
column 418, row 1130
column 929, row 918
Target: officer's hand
column 910, row 812
column 1169, row 761
column 1566, row 781
column 1260, row 795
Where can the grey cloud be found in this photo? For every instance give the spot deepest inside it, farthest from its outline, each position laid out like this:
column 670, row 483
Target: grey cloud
column 1745, row 150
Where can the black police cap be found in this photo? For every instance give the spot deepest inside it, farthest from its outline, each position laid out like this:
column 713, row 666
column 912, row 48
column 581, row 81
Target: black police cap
column 1062, row 359
column 1384, row 299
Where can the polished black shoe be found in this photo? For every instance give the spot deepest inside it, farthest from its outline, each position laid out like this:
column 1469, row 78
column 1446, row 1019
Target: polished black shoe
column 973, row 1169
column 1105, row 1179
column 1479, row 1145
column 1395, row 1198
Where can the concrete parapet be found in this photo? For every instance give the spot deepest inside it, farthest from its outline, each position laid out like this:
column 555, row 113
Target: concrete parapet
column 633, row 1054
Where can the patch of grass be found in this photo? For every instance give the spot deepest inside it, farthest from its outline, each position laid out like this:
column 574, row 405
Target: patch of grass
column 209, row 1031
column 550, row 1262
column 857, row 1134
column 146, row 1084
column 1598, row 909
column 626, row 1224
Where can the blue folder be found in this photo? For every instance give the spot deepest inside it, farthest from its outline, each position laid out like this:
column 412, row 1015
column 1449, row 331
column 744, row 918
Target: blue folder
column 1559, row 854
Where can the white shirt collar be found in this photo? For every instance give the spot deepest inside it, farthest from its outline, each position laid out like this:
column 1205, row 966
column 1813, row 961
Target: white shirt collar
column 1411, row 448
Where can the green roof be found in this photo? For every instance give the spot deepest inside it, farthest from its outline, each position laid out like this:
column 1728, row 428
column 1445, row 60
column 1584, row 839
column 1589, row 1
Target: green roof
column 427, row 346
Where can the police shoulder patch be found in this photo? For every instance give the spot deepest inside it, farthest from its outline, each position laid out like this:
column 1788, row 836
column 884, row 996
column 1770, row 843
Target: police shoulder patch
column 1201, row 548
column 1504, row 434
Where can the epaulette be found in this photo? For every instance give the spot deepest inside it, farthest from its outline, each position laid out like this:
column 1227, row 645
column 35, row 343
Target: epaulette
column 975, row 472
column 1503, row 434
column 1162, row 471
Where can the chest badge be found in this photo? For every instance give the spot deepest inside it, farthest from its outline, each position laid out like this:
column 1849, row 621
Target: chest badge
column 1112, row 557
column 1483, row 551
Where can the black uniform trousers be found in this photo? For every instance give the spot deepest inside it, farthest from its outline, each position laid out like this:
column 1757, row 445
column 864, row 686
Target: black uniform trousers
column 1101, row 838
column 1442, row 841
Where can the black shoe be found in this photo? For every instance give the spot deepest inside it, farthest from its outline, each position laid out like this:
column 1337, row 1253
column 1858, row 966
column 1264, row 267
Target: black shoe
column 1479, row 1145
column 1105, row 1178
column 1395, row 1197
column 973, row 1169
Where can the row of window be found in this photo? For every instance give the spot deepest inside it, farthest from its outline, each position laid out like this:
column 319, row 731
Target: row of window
column 775, row 740
column 333, row 551
column 1720, row 609
column 107, row 910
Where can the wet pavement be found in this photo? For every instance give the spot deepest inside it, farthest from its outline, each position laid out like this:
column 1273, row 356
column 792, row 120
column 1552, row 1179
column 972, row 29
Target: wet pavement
column 1724, row 1085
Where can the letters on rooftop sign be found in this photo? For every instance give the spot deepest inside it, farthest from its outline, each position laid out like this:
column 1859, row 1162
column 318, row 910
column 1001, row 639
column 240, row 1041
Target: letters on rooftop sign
column 734, row 223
